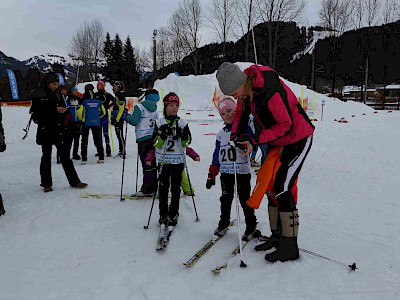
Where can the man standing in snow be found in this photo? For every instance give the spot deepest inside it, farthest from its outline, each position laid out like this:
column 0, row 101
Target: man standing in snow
column 2, row 149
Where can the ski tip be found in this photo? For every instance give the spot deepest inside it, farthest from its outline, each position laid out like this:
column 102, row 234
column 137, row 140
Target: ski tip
column 353, row 267
column 242, row 264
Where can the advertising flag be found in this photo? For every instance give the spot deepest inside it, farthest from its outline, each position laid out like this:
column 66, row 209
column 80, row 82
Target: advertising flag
column 13, row 84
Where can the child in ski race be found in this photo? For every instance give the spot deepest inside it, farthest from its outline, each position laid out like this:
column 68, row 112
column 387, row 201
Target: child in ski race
column 107, row 100
column 223, row 161
column 285, row 124
column 118, row 109
column 172, row 135
column 90, row 114
column 143, row 118
column 74, row 127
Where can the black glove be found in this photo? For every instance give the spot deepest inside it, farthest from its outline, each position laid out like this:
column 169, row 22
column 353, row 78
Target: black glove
column 163, row 131
column 3, row 147
column 210, row 181
column 236, row 141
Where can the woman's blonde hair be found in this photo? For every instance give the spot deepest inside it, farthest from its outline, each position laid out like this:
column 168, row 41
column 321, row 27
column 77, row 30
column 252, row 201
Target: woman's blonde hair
column 248, row 89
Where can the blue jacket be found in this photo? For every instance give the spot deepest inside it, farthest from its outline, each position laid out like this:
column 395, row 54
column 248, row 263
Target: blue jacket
column 92, row 111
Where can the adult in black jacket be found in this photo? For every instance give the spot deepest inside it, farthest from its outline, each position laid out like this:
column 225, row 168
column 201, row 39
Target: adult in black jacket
column 49, row 112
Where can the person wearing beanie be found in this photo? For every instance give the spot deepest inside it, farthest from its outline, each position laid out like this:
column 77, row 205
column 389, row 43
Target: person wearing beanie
column 90, row 113
column 224, row 156
column 49, row 111
column 118, row 113
column 74, row 126
column 143, row 117
column 283, row 123
column 171, row 137
column 107, row 100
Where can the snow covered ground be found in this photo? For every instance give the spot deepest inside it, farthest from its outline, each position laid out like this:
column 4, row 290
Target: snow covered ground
column 61, row 246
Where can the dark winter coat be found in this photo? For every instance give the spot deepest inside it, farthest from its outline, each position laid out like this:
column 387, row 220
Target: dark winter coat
column 106, row 99
column 44, row 113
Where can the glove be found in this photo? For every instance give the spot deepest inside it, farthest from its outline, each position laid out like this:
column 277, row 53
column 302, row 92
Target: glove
column 163, row 131
column 236, row 141
column 212, row 173
column 210, row 181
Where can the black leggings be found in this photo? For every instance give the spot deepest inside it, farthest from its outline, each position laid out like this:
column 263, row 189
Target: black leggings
column 292, row 159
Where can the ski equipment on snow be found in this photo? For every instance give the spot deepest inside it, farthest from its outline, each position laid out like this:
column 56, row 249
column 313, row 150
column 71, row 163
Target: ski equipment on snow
column 204, row 249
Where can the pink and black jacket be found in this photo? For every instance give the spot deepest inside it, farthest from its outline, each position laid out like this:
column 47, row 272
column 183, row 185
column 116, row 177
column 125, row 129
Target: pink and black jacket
column 281, row 119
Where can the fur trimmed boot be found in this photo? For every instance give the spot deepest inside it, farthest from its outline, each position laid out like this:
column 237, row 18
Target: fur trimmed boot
column 275, row 226
column 288, row 249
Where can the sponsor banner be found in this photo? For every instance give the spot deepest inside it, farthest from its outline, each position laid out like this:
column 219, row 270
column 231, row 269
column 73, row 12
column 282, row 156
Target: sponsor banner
column 13, row 84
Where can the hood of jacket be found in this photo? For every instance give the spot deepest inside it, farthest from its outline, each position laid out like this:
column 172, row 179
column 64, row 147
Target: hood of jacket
column 151, row 106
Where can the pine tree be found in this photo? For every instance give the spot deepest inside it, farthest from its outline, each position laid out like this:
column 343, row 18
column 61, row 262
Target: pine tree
column 131, row 74
column 108, row 44
column 117, row 60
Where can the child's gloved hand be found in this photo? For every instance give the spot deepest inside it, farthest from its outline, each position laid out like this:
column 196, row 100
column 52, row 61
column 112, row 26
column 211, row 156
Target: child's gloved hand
column 212, row 173
column 163, row 131
column 210, row 181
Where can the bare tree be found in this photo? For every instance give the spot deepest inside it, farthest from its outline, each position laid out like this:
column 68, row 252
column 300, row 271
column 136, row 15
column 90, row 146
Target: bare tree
column 358, row 9
column 372, row 9
column 335, row 15
column 184, row 27
column 274, row 12
column 391, row 10
column 245, row 17
column 220, row 17
column 143, row 59
column 86, row 46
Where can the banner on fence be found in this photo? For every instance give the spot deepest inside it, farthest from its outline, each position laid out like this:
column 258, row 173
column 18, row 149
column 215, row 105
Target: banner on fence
column 13, row 84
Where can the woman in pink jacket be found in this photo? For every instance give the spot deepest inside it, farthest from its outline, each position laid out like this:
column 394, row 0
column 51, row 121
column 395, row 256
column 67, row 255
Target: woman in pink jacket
column 282, row 122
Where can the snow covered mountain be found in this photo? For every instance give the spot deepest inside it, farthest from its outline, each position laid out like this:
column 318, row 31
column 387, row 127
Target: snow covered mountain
column 43, row 62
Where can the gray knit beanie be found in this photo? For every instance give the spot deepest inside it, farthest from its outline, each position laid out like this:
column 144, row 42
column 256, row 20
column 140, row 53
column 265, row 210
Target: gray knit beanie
column 230, row 77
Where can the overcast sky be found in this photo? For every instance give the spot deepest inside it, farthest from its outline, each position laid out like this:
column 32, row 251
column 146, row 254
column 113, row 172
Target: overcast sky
column 34, row 27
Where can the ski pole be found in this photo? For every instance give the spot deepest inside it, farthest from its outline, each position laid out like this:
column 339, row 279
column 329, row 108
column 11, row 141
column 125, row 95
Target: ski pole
column 26, row 129
column 242, row 263
column 137, row 169
column 156, row 191
column 123, row 161
column 353, row 266
column 190, row 183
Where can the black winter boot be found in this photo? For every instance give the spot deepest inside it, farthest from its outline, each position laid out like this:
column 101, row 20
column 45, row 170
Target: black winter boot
column 288, row 248
column 276, row 229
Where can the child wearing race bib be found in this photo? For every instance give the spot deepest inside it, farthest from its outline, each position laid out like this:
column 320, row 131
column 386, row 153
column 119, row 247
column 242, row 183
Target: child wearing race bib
column 172, row 135
column 223, row 161
column 143, row 118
